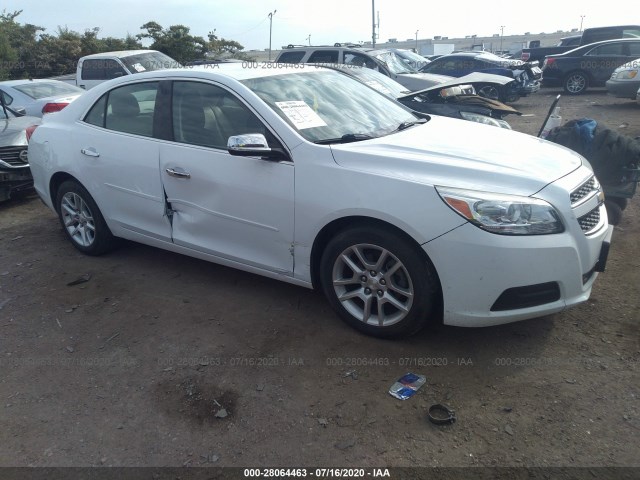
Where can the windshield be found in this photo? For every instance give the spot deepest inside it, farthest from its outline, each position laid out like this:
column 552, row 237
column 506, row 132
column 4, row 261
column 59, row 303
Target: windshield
column 149, row 61
column 37, row 90
column 394, row 63
column 378, row 81
column 326, row 105
column 412, row 59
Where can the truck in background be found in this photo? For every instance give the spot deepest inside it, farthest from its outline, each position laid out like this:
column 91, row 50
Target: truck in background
column 590, row 35
column 100, row 67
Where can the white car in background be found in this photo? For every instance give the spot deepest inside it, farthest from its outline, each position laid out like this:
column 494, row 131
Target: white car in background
column 37, row 97
column 308, row 176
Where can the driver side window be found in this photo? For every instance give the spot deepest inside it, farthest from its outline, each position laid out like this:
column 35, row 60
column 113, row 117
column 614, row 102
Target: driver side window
column 207, row 115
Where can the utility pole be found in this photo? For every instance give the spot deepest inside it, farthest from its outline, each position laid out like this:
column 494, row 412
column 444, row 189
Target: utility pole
column 271, row 14
column 501, row 35
column 373, row 23
column 581, row 20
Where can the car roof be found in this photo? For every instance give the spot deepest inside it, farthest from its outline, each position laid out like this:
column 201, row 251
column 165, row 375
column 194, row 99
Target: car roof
column 119, row 53
column 14, row 83
column 237, row 71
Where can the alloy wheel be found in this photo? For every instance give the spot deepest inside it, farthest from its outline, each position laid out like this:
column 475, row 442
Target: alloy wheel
column 373, row 285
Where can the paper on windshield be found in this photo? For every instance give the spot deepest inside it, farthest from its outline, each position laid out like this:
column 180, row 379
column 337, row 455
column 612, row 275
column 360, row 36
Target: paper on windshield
column 139, row 67
column 301, row 114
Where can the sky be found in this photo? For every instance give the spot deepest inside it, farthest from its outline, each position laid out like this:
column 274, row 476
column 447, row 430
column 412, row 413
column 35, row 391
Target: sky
column 324, row 21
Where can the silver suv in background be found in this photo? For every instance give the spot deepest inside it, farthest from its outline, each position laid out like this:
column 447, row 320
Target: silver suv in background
column 383, row 61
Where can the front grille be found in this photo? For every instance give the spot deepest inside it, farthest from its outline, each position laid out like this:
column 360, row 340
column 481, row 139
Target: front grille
column 583, row 190
column 11, row 155
column 589, row 221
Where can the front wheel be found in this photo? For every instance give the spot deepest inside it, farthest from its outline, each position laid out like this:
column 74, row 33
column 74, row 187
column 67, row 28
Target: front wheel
column 378, row 282
column 81, row 219
column 576, row 83
column 490, row 91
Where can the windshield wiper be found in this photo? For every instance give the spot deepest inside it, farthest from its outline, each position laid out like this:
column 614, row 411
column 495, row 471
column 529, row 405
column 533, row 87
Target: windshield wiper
column 346, row 138
column 405, row 125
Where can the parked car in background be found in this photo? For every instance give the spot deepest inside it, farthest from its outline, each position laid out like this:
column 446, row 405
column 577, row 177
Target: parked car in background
column 15, row 175
column 526, row 75
column 384, row 61
column 37, row 97
column 588, row 66
column 590, row 35
column 625, row 80
column 450, row 99
column 308, row 176
column 100, row 67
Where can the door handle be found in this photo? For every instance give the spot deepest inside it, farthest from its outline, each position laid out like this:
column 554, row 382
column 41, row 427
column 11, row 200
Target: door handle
column 90, row 152
column 178, row 173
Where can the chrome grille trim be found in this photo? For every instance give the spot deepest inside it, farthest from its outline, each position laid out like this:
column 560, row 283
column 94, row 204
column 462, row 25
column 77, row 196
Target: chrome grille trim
column 584, row 190
column 590, row 221
column 10, row 156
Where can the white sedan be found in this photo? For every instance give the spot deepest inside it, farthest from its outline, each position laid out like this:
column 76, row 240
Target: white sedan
column 308, row 176
column 37, row 97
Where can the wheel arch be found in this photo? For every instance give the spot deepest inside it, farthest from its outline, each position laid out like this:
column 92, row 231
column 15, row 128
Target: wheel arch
column 340, row 224
column 55, row 181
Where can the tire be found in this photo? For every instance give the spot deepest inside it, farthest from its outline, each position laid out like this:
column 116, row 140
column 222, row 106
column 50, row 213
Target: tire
column 378, row 282
column 575, row 83
column 621, row 202
column 614, row 212
column 490, row 91
column 82, row 221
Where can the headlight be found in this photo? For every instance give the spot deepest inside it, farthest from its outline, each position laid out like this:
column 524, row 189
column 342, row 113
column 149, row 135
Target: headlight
column 479, row 118
column 457, row 90
column 503, row 214
column 627, row 74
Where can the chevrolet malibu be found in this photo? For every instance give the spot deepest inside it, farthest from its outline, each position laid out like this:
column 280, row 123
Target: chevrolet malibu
column 308, row 176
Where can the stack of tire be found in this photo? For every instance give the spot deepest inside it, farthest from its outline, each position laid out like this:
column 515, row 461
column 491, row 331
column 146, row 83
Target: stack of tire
column 611, row 154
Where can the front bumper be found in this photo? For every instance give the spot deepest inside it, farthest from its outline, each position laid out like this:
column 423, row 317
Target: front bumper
column 623, row 89
column 13, row 181
column 476, row 268
column 529, row 88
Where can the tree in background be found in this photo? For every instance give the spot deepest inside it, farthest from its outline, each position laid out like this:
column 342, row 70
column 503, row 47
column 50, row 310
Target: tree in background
column 26, row 51
column 175, row 41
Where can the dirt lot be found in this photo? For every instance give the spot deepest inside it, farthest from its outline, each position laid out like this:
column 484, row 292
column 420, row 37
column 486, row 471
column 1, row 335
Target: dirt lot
column 163, row 360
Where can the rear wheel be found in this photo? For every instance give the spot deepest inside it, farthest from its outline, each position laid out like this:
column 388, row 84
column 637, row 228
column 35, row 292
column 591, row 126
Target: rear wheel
column 378, row 282
column 81, row 219
column 576, row 83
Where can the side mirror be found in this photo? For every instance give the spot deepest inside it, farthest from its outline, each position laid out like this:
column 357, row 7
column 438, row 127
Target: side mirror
column 253, row 145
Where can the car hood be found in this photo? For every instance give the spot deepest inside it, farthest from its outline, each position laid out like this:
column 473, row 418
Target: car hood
column 12, row 131
column 419, row 81
column 462, row 154
column 466, row 80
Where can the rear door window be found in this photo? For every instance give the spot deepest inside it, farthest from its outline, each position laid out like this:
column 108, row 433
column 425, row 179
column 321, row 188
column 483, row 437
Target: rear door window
column 101, row 69
column 128, row 109
column 324, row 56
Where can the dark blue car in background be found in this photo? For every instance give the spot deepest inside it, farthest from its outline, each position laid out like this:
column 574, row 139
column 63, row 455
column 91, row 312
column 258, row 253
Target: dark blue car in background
column 527, row 76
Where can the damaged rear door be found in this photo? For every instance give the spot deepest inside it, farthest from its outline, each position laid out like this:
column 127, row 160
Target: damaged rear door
column 237, row 208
